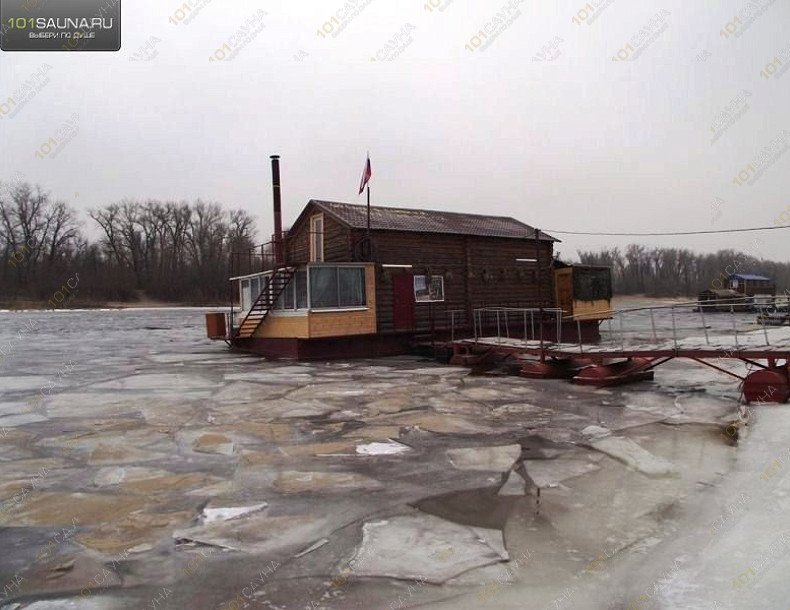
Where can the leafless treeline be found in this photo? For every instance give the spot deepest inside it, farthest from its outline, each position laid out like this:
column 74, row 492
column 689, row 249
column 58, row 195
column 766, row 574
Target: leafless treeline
column 679, row 272
column 167, row 250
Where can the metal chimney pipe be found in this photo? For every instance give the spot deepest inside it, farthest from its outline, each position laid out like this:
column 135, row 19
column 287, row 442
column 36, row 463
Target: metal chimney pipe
column 278, row 217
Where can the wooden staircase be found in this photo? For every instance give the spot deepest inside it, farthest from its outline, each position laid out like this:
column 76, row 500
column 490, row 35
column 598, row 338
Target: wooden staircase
column 266, row 300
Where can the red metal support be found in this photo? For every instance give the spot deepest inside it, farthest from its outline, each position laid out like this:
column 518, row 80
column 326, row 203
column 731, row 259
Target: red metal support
column 606, row 375
column 718, row 368
column 767, row 385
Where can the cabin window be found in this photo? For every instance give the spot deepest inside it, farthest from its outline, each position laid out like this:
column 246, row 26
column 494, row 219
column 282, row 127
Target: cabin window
column 300, row 287
column 251, row 288
column 317, row 238
column 334, row 287
column 351, row 287
column 288, row 296
column 428, row 288
column 592, row 284
column 256, row 287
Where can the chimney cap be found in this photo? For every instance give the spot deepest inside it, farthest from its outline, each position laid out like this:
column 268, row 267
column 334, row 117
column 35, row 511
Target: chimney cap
column 274, row 156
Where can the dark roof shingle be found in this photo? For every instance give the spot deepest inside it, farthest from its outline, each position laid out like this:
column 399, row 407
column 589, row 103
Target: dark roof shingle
column 428, row 221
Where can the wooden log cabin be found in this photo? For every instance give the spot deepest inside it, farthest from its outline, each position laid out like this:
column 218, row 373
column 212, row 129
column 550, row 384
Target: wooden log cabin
column 344, row 284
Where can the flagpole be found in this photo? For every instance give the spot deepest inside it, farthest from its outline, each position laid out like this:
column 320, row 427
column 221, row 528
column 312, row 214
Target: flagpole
column 368, row 228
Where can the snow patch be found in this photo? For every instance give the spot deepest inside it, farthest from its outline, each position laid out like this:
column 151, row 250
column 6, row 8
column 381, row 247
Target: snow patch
column 212, row 515
column 388, row 448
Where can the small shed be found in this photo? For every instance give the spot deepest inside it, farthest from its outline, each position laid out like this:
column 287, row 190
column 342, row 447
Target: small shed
column 749, row 284
column 583, row 291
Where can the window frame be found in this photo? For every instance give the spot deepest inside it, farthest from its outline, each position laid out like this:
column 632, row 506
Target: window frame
column 337, row 267
column 315, row 255
column 295, row 309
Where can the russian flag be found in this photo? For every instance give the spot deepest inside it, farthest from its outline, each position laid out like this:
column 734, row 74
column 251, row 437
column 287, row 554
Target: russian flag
column 365, row 176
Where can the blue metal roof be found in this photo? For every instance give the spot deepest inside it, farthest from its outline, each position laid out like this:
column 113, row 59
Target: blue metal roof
column 749, row 277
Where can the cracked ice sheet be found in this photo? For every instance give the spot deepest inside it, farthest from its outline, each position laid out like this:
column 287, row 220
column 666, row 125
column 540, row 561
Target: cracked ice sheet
column 496, row 459
column 25, row 383
column 273, row 376
column 711, row 552
column 442, row 424
column 165, row 358
column 95, row 602
column 267, row 409
column 21, row 419
column 687, row 408
column 159, row 382
column 258, row 533
column 635, row 456
column 422, row 546
column 241, row 392
column 550, row 473
column 343, row 391
column 702, row 410
column 86, row 404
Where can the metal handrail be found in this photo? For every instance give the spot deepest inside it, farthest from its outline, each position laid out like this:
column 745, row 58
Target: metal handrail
column 479, row 312
column 502, row 318
column 709, row 303
column 702, row 326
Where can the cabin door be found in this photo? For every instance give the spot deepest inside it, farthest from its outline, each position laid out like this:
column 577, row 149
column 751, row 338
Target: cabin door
column 403, row 301
column 564, row 284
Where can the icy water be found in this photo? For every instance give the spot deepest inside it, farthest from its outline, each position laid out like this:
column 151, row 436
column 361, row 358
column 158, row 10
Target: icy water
column 142, row 465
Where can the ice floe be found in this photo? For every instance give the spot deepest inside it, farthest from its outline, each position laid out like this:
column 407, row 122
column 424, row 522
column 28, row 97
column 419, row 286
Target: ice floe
column 422, row 546
column 635, row 456
column 499, row 458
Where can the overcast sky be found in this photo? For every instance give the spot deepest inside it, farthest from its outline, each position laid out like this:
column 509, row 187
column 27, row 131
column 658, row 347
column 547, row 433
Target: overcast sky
column 577, row 143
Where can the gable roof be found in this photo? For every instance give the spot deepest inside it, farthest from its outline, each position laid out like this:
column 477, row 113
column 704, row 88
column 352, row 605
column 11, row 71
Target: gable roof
column 427, row 221
column 750, row 277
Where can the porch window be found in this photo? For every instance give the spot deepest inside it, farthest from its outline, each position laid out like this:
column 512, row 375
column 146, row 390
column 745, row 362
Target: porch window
column 300, row 287
column 295, row 294
column 250, row 289
column 257, row 284
column 428, row 288
column 246, row 295
column 317, row 238
column 337, row 287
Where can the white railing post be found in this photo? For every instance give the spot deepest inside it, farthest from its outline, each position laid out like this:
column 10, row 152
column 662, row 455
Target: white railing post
column 653, row 324
column 525, row 328
column 765, row 330
column 704, row 326
column 579, row 334
column 734, row 324
column 674, row 328
column 559, row 327
column 498, row 332
column 622, row 330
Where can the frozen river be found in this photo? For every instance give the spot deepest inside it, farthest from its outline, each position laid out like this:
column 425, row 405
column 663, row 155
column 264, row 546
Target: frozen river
column 143, row 466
